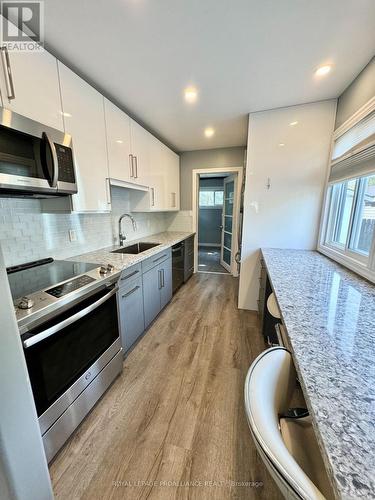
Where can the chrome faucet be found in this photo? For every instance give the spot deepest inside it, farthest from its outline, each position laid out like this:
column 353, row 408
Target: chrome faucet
column 121, row 236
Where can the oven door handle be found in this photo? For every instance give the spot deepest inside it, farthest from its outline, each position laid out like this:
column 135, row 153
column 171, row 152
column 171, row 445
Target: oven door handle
column 56, row 328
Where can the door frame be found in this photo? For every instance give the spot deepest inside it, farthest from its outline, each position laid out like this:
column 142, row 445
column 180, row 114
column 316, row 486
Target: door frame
column 236, row 209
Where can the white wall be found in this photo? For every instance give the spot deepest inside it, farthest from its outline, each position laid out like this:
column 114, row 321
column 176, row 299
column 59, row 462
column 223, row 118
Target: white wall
column 22, row 458
column 286, row 215
column 207, row 158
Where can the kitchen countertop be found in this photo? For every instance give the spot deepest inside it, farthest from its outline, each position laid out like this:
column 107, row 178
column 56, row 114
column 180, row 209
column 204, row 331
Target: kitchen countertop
column 329, row 315
column 122, row 261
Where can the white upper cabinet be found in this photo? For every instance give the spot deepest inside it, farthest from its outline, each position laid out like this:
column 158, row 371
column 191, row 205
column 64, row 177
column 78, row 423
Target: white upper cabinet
column 140, row 146
column 120, row 161
column 29, row 85
column 83, row 109
column 157, row 176
column 172, row 172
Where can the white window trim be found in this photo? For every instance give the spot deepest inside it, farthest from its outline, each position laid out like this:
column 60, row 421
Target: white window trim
column 365, row 267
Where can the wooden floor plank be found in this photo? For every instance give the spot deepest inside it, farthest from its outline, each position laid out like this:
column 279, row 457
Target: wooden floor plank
column 173, row 425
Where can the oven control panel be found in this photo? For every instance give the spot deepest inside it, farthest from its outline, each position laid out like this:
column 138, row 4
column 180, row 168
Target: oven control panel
column 70, row 286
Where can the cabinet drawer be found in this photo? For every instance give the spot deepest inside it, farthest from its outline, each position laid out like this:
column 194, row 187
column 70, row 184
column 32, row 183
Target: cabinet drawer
column 131, row 315
column 156, row 259
column 130, row 274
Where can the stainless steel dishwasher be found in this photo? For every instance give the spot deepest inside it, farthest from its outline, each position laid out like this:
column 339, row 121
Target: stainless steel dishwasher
column 178, row 265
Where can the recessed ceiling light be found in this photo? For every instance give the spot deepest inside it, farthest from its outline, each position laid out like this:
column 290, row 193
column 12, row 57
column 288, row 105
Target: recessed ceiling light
column 281, row 144
column 209, row 132
column 323, row 70
column 67, row 115
column 191, row 94
column 293, row 124
column 119, row 141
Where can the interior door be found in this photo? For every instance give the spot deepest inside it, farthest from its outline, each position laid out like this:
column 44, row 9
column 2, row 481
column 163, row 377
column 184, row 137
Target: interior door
column 226, row 256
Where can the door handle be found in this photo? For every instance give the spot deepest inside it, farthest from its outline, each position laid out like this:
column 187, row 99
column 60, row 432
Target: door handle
column 163, row 280
column 153, row 197
column 8, row 73
column 136, row 166
column 159, row 277
column 131, row 167
column 130, row 292
column 51, row 145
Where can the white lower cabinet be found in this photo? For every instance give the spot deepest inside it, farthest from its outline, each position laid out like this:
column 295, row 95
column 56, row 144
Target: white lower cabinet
column 83, row 109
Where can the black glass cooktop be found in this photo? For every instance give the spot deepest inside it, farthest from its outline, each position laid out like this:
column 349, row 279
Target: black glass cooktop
column 35, row 276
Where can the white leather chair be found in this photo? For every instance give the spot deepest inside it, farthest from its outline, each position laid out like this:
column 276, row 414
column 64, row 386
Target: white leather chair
column 287, row 446
column 272, row 306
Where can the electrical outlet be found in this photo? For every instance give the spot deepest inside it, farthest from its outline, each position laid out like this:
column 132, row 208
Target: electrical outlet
column 72, row 235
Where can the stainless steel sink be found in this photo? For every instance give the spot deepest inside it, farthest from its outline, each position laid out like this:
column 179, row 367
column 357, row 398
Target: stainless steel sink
column 136, row 248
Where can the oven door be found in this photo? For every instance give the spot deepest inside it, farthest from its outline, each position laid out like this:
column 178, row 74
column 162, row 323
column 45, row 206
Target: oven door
column 61, row 350
column 27, row 162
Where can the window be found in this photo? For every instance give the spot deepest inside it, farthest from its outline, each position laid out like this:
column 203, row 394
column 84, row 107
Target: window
column 211, row 198
column 351, row 217
column 348, row 225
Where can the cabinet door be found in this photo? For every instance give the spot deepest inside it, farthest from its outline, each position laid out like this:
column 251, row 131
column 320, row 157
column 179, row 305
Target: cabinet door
column 151, row 294
column 172, row 175
column 140, row 142
column 118, row 143
column 157, row 176
column 83, row 110
column 36, row 86
column 130, row 308
column 166, row 282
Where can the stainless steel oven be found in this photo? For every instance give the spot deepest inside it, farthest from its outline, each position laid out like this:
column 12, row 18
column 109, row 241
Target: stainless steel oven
column 35, row 160
column 72, row 359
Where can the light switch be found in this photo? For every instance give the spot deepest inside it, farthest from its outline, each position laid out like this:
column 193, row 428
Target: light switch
column 72, row 235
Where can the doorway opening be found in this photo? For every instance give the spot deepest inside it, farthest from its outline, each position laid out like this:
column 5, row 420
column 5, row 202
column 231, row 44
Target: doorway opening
column 216, row 195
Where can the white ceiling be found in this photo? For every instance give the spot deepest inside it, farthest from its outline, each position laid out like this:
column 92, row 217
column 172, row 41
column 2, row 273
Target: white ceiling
column 242, row 55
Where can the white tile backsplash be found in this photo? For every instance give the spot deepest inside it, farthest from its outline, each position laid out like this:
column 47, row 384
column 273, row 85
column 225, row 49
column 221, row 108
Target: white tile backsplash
column 26, row 233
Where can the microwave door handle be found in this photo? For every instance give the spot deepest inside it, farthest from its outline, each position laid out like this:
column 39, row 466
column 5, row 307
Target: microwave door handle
column 55, row 175
column 56, row 328
column 8, row 73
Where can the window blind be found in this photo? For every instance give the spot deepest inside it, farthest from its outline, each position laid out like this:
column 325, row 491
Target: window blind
column 353, row 152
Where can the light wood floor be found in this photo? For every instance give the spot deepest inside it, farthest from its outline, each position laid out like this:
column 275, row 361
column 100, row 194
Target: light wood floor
column 175, row 416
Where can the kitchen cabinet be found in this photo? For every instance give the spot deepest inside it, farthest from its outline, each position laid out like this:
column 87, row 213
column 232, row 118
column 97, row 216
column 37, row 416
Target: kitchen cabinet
column 171, row 163
column 166, row 277
column 140, row 148
column 83, row 109
column 35, row 82
column 157, row 289
column 164, row 181
column 120, row 161
column 130, row 310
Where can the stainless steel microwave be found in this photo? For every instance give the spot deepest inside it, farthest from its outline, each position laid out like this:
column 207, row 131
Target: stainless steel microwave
column 35, row 160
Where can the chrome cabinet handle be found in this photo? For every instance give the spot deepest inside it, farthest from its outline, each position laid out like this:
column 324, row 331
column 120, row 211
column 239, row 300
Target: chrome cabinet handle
column 131, row 167
column 159, row 277
column 174, row 198
column 136, row 166
column 130, row 275
column 130, row 292
column 153, row 197
column 156, row 260
column 163, row 278
column 60, row 326
column 8, row 73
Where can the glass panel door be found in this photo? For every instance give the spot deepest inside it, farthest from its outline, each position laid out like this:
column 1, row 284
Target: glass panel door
column 227, row 234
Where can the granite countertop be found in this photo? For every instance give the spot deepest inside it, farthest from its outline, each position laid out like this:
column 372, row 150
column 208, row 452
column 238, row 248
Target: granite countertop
column 122, row 261
column 329, row 315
